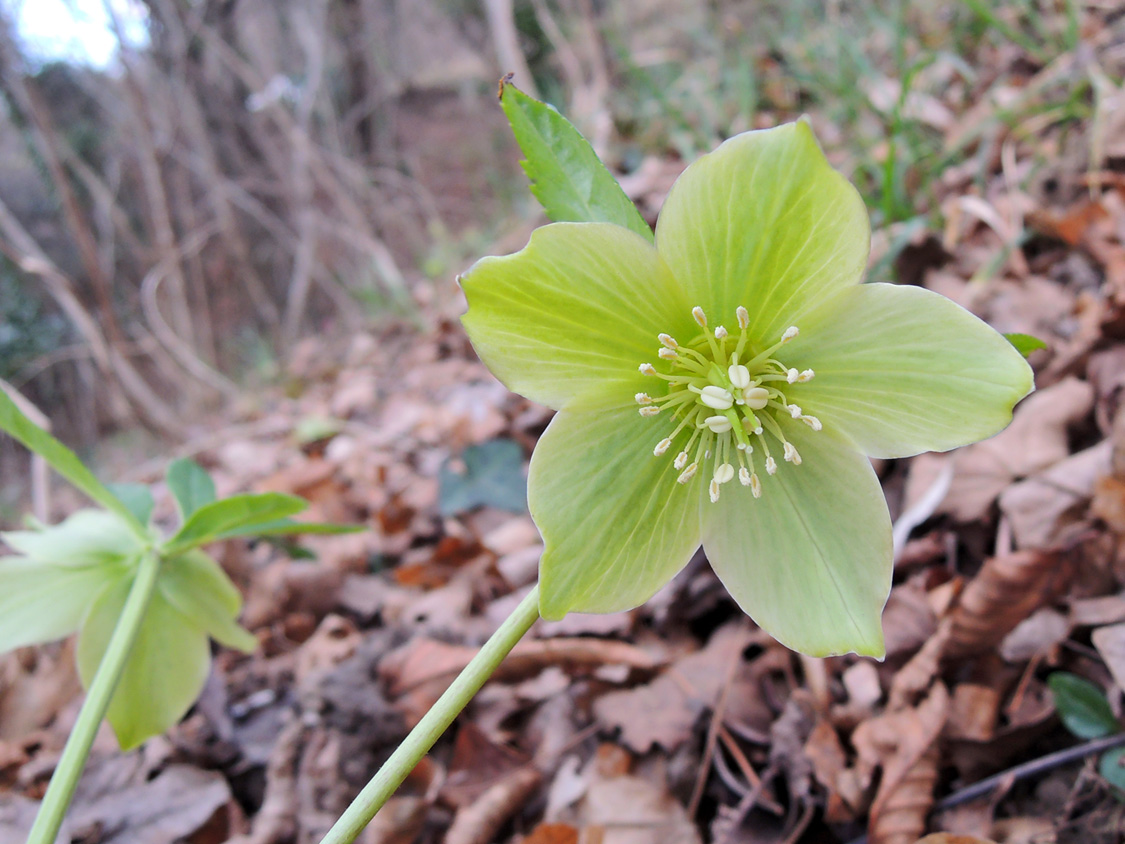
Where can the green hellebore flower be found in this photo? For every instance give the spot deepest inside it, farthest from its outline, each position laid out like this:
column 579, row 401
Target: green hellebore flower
column 752, row 436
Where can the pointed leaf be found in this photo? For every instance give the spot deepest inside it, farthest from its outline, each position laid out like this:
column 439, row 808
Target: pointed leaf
column 164, row 673
column 809, row 561
column 191, row 486
column 40, row 602
column 567, row 177
column 85, row 538
column 198, row 587
column 615, row 523
column 289, row 527
column 492, row 476
column 62, row 460
column 137, row 498
column 212, row 520
column 1025, row 343
column 1112, row 767
column 1082, row 706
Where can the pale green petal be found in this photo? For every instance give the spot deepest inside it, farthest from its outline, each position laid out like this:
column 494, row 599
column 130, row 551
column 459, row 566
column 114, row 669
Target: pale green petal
column 764, row 222
column 198, row 587
column 40, row 602
column 165, row 671
column 809, row 561
column 579, row 307
column 615, row 523
column 901, row 370
column 88, row 537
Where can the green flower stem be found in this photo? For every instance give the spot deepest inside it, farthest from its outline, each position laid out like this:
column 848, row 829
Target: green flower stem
column 434, row 723
column 63, row 782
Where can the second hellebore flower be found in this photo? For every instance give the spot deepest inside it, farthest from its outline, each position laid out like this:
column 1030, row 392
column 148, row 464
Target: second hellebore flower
column 727, row 387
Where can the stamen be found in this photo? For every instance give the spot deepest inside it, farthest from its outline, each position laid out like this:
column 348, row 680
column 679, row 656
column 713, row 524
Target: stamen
column 713, row 490
column 647, row 369
column 667, row 341
column 806, row 376
column 680, row 461
column 643, row 398
column 667, row 354
column 792, row 455
column 720, row 333
column 724, row 473
column 716, row 397
column 743, row 317
column 756, row 398
column 790, row 332
column 649, row 411
column 812, row 422
column 755, row 485
column 792, row 375
column 739, row 376
column 700, row 317
column 662, row 447
column 771, row 466
column 687, row 474
column 717, row 424
column 794, row 410
column 744, row 476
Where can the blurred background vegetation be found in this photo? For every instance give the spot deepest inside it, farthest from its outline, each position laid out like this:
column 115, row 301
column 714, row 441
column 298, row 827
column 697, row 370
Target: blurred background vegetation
column 253, row 171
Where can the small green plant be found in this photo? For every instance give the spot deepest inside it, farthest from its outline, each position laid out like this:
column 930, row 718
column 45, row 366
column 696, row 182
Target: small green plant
column 1085, row 712
column 144, row 604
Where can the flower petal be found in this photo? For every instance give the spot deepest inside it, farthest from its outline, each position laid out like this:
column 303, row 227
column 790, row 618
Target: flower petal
column 764, row 222
column 578, row 307
column 198, row 587
column 616, row 525
column 901, row 370
column 809, row 561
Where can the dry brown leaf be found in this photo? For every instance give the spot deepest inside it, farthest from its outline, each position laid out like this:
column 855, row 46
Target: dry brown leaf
column 973, row 711
column 552, row 833
column 948, row 838
column 1110, row 642
column 478, row 822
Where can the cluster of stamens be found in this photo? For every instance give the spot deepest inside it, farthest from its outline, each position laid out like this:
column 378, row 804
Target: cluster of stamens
column 725, row 394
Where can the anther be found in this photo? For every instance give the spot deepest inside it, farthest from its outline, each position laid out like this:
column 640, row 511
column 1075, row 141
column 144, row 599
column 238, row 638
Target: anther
column 744, row 476
column 806, row 376
column 794, row 410
column 716, row 397
column 720, row 333
column 792, row 375
column 687, row 474
column 771, row 466
column 789, row 334
column 717, row 424
column 812, row 422
column 667, row 354
column 680, row 461
column 756, row 485
column 667, row 341
column 743, row 317
column 643, row 398
column 756, row 397
column 700, row 317
column 649, row 411
column 792, row 455
column 662, row 447
column 647, row 369
column 713, row 490
column 724, row 473
column 739, row 376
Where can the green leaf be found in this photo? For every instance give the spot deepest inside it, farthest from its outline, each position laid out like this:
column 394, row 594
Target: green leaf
column 136, row 497
column 191, row 486
column 1112, row 767
column 493, row 477
column 62, row 460
column 198, row 587
column 809, row 561
column 1082, row 706
column 901, row 370
column 1025, row 343
column 40, row 602
column 212, row 520
column 580, row 306
column 164, row 674
column 289, row 527
column 567, row 177
column 85, row 538
column 616, row 526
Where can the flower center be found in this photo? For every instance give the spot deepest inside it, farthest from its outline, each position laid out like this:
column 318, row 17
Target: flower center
column 724, row 396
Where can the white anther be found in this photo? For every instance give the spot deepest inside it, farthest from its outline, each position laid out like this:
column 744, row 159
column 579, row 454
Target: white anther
column 643, row 398
column 667, row 341
column 687, row 474
column 724, row 473
column 667, row 354
column 794, row 410
column 647, row 369
column 662, row 447
column 792, row 455
column 755, row 485
column 789, row 334
column 744, row 476
column 716, row 397
column 756, row 397
column 700, row 317
column 812, row 422
column 680, row 461
column 720, row 333
column 805, row 376
column 717, row 424
column 713, row 490
column 649, row 411
column 771, row 466
column 743, row 317
column 792, row 375
column 739, row 376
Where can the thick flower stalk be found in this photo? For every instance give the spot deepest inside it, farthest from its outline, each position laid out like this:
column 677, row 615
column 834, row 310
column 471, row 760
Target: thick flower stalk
column 727, row 386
